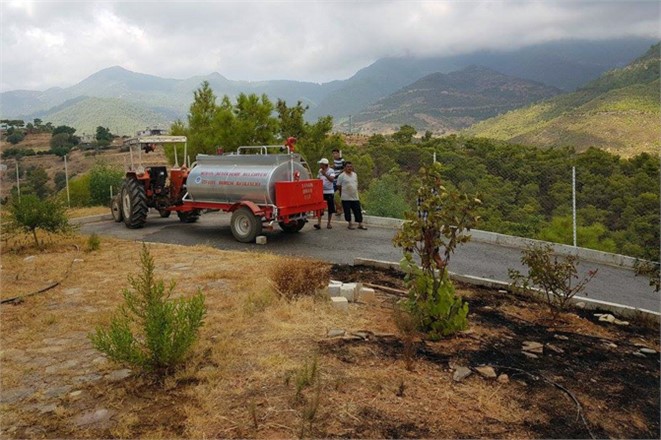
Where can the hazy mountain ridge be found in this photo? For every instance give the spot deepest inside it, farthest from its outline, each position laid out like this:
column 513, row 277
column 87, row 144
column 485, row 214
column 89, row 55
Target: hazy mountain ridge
column 618, row 111
column 169, row 99
column 565, row 65
column 445, row 103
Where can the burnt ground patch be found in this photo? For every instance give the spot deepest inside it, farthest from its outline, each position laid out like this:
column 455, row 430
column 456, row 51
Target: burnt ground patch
column 350, row 274
column 601, row 372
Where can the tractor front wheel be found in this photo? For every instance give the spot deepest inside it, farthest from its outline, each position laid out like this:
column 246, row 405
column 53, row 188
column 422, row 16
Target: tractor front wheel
column 245, row 225
column 134, row 204
column 164, row 213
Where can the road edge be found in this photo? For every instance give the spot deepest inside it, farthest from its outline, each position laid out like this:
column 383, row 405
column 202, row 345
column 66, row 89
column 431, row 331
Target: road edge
column 620, row 310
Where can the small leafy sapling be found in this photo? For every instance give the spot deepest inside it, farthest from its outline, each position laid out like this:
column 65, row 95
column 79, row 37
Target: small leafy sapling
column 431, row 235
column 556, row 276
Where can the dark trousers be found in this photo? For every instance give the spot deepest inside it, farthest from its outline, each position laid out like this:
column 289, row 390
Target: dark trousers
column 350, row 206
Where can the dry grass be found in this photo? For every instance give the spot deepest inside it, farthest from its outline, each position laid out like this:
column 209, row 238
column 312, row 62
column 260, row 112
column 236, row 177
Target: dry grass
column 250, row 373
column 87, row 211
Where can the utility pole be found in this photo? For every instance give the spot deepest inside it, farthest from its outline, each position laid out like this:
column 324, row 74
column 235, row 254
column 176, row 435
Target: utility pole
column 18, row 182
column 573, row 196
column 66, row 179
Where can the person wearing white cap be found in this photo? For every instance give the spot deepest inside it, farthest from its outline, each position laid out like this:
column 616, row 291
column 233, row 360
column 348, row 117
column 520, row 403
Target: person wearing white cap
column 327, row 176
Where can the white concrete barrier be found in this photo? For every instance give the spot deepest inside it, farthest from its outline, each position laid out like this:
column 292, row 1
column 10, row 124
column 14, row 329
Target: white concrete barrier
column 521, row 243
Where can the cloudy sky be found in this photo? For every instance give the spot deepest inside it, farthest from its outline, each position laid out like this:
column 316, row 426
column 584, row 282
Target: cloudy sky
column 59, row 43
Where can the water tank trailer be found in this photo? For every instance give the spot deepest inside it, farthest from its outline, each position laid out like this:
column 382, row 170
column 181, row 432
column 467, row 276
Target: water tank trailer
column 259, row 185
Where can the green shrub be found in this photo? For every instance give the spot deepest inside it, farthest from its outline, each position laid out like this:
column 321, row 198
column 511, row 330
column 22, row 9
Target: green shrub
column 385, row 197
column 433, row 303
column 151, row 331
column 30, row 213
column 79, row 191
column 17, row 152
column 554, row 275
column 60, row 151
column 101, row 178
column 15, row 137
column 60, row 180
column 93, row 243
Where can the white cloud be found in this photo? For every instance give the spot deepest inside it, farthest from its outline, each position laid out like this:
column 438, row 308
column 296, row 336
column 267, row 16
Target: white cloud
column 45, row 44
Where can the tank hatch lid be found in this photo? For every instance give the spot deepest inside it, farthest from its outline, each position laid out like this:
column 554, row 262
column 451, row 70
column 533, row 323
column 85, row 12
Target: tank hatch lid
column 155, row 139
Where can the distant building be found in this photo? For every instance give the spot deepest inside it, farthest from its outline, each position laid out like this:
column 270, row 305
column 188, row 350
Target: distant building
column 152, row 132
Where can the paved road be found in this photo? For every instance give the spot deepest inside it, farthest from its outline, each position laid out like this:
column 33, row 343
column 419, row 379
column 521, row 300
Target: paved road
column 340, row 245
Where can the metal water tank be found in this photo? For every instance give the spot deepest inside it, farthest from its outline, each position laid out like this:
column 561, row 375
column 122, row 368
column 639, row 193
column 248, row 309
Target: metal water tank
column 233, row 178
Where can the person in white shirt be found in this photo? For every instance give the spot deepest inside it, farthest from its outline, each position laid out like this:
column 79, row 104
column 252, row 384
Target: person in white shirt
column 327, row 176
column 347, row 184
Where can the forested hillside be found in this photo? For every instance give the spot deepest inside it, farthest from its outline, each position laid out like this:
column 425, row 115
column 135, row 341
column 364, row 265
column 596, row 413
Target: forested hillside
column 618, row 112
column 447, row 103
column 525, row 191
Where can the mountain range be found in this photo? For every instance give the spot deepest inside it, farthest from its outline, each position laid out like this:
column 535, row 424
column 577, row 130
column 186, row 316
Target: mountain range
column 618, row 112
column 446, row 103
column 126, row 101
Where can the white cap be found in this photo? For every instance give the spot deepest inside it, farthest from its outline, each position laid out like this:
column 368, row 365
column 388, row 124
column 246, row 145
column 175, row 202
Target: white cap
column 323, row 161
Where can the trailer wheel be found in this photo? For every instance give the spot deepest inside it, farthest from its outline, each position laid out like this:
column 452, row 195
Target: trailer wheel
column 292, row 226
column 164, row 213
column 134, row 204
column 245, row 225
column 116, row 208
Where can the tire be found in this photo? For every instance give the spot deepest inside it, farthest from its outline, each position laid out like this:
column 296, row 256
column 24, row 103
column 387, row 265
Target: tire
column 164, row 213
column 134, row 204
column 116, row 208
column 245, row 225
column 188, row 216
column 292, row 226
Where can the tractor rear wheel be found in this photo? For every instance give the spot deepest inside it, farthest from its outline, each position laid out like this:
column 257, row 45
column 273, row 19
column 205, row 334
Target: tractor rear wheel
column 294, row 226
column 189, row 216
column 245, row 225
column 116, row 208
column 134, row 204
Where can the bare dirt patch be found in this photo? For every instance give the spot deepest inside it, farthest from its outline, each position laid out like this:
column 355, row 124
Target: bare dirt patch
column 244, row 378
